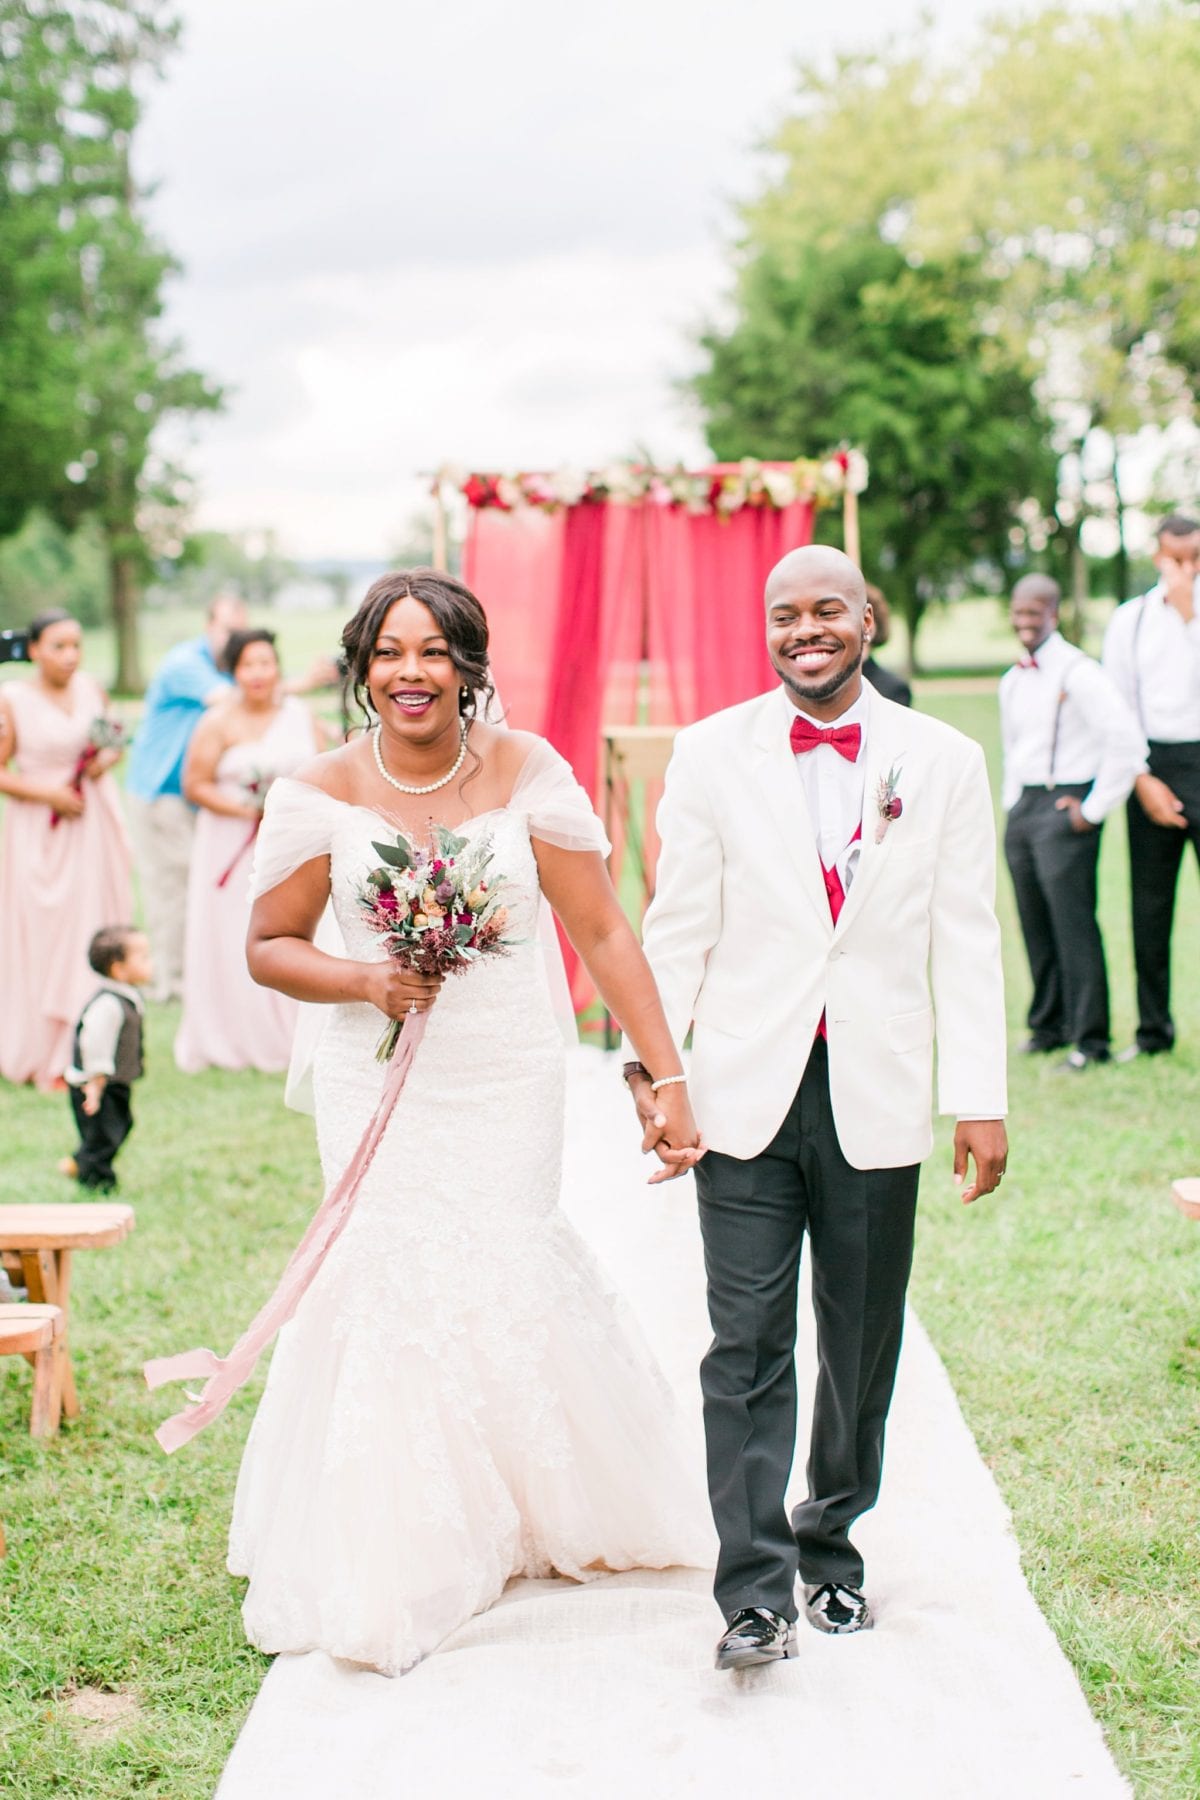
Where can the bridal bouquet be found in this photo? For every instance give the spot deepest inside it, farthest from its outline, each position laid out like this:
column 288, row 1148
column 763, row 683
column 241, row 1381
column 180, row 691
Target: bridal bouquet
column 103, row 734
column 254, row 787
column 438, row 910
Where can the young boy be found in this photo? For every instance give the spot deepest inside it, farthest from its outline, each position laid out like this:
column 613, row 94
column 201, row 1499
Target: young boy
column 107, row 1054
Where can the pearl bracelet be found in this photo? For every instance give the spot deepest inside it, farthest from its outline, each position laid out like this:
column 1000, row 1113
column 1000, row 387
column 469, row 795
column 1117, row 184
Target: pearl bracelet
column 667, row 1081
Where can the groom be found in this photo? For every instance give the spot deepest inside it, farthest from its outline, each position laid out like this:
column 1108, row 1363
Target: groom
column 824, row 910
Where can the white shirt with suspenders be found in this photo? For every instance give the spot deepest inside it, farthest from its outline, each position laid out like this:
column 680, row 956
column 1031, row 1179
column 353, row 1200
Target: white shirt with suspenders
column 1063, row 723
column 1153, row 657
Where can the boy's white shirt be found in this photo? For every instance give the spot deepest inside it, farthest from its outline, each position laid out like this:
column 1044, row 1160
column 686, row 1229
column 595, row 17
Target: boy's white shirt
column 744, row 950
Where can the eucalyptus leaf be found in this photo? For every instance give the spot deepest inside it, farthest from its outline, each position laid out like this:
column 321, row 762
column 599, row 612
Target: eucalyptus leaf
column 397, row 855
column 449, row 843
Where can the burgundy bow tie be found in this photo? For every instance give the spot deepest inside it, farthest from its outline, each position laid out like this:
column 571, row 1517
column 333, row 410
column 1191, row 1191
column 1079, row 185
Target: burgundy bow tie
column 1027, row 662
column 845, row 739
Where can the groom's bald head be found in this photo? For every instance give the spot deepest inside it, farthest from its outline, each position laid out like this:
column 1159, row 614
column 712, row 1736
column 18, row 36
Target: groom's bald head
column 817, row 566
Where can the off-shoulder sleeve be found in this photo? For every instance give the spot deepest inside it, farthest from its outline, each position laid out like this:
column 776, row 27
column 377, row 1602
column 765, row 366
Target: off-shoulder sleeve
column 297, row 825
column 558, row 809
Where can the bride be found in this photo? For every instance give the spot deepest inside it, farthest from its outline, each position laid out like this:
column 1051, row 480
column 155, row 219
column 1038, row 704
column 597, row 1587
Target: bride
column 457, row 1400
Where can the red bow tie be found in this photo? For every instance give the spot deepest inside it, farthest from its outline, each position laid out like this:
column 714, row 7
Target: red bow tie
column 845, row 739
column 1027, row 662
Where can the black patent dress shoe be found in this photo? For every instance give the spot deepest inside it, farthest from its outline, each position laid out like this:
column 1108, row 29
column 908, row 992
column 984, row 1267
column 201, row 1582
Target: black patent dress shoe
column 1134, row 1051
column 836, row 1608
column 755, row 1635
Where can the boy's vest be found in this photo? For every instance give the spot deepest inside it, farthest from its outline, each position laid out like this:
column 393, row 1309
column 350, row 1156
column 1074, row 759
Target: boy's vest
column 128, row 1065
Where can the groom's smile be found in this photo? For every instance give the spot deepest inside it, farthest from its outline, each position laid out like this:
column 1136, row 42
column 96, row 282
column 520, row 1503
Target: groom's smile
column 818, row 628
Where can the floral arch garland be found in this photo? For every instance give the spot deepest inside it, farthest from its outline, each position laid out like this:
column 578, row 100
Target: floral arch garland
column 724, row 489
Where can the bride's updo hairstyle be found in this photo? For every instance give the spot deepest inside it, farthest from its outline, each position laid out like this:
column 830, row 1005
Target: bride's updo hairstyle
column 459, row 617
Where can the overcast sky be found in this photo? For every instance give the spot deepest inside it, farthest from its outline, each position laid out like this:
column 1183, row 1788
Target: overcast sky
column 464, row 232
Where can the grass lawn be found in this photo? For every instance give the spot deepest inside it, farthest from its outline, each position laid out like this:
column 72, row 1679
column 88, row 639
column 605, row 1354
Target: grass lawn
column 1068, row 1313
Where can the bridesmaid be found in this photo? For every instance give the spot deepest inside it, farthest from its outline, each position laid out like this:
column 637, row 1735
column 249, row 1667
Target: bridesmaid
column 59, row 883
column 237, row 749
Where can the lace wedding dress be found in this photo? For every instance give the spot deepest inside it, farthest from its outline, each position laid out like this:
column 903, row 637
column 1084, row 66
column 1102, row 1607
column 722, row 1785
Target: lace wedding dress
column 459, row 1398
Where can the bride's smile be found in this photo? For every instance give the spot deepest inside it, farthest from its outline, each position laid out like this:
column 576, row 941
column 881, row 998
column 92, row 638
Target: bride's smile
column 415, row 689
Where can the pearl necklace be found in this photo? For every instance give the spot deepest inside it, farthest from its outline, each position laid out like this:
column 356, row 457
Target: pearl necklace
column 430, row 787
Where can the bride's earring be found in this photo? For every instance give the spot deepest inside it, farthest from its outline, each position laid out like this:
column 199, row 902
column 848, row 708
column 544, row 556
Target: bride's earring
column 464, row 699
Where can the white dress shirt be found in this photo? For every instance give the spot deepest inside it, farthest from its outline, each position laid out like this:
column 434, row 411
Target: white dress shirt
column 1064, row 721
column 1153, row 657
column 833, row 787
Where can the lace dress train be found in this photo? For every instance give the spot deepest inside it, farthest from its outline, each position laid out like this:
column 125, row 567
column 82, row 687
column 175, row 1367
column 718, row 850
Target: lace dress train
column 460, row 1398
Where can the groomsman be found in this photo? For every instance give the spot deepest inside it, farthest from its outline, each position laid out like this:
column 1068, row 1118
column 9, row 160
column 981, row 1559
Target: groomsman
column 824, row 911
column 1072, row 751
column 1152, row 652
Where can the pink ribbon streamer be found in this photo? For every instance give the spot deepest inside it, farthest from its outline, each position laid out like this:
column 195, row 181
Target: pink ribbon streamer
column 254, row 831
column 226, row 1374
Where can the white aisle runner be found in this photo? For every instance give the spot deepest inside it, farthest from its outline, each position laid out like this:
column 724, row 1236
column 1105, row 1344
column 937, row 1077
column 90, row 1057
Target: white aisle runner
column 608, row 1690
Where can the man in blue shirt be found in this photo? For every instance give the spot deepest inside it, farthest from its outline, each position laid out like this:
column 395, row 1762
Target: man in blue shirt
column 188, row 680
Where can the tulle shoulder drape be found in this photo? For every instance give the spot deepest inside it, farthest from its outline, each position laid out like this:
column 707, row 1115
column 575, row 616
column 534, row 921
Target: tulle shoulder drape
column 557, row 808
column 299, row 820
column 298, row 824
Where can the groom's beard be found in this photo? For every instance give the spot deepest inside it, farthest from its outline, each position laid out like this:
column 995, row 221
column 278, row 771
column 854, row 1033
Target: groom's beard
column 832, row 684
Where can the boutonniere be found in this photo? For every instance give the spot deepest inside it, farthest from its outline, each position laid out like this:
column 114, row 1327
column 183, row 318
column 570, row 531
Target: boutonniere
column 888, row 800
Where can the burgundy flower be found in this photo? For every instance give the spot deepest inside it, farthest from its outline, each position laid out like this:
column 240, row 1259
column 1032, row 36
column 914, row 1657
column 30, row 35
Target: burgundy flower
column 894, row 807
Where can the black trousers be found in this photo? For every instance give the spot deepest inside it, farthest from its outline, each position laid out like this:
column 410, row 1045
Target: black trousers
column 1053, row 869
column 753, row 1217
column 101, row 1136
column 1155, row 855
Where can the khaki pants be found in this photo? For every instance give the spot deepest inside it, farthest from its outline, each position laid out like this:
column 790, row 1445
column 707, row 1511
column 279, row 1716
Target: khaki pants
column 162, row 841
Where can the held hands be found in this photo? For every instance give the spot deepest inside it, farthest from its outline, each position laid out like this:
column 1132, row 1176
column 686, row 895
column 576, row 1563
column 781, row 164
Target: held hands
column 668, row 1127
column 987, row 1141
column 396, row 991
column 1074, row 810
column 1160, row 805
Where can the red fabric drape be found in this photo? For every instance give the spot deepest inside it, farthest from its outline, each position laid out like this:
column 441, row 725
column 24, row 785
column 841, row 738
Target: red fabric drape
column 585, row 602
column 565, row 617
column 704, row 592
column 513, row 562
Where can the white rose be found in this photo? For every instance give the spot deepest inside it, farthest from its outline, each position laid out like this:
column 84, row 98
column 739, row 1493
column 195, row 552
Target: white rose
column 568, row 486
column 857, row 474
column 780, row 485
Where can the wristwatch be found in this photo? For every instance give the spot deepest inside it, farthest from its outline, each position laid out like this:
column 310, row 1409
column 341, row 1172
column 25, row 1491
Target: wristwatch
column 630, row 1069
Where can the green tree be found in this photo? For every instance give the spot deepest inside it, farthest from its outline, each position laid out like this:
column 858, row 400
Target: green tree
column 215, row 562
column 848, row 341
column 1061, row 151
column 41, row 565
column 84, row 324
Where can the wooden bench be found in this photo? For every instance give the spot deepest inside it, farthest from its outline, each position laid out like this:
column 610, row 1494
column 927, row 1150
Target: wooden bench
column 1186, row 1195
column 33, row 1332
column 43, row 1237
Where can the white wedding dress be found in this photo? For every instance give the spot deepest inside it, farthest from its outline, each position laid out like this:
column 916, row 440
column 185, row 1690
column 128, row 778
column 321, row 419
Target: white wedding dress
column 460, row 1398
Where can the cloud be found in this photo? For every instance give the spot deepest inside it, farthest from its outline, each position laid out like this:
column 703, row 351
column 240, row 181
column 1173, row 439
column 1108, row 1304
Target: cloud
column 477, row 232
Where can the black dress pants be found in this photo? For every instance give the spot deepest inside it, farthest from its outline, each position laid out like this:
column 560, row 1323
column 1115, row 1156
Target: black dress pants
column 753, row 1217
column 1053, row 869
column 101, row 1135
column 1155, row 855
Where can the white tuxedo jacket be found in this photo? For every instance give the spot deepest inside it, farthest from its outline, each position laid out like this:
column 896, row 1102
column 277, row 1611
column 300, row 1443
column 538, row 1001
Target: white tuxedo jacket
column 743, row 947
